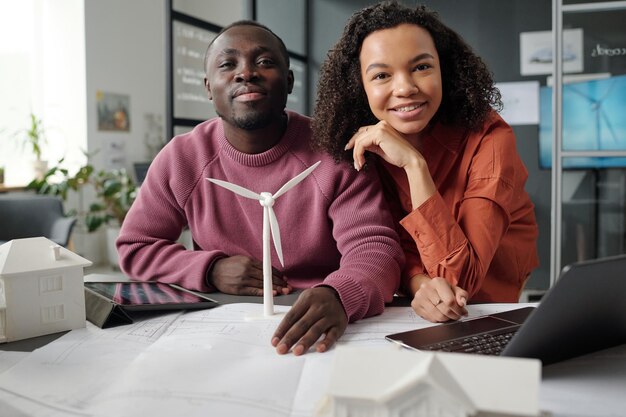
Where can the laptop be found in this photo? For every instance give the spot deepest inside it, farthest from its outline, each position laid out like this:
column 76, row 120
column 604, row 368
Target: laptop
column 583, row 312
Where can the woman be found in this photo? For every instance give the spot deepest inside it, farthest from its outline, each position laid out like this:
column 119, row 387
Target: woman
column 403, row 86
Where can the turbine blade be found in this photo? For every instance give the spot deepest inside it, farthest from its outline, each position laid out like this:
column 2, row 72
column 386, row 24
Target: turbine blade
column 295, row 180
column 236, row 189
column 609, row 125
column 587, row 97
column 276, row 235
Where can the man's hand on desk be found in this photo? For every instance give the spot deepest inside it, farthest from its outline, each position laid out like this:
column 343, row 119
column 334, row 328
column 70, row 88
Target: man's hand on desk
column 318, row 311
column 241, row 275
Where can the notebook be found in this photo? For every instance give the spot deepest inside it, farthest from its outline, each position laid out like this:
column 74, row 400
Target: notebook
column 583, row 312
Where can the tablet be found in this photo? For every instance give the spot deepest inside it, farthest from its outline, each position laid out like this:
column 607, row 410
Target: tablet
column 151, row 295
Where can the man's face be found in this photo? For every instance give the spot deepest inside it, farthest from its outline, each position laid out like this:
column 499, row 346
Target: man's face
column 247, row 77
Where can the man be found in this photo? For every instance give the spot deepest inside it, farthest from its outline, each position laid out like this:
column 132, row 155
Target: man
column 338, row 239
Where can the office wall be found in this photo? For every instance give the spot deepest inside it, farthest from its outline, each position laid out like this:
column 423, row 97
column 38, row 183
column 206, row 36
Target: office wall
column 125, row 54
column 125, row 43
column 492, row 28
column 288, row 19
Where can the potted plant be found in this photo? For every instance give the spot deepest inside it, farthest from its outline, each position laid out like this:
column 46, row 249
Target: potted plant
column 34, row 137
column 115, row 192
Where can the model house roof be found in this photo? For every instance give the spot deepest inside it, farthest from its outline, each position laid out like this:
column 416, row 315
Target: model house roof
column 36, row 254
column 393, row 374
column 477, row 383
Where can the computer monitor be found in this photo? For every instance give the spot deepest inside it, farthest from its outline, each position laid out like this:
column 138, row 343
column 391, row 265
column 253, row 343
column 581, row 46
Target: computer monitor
column 141, row 169
column 593, row 119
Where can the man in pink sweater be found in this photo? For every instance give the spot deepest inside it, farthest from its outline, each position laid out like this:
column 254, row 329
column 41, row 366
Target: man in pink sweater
column 338, row 239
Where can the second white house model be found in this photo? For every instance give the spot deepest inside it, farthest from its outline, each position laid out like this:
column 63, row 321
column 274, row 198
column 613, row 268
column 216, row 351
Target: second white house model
column 41, row 289
column 397, row 382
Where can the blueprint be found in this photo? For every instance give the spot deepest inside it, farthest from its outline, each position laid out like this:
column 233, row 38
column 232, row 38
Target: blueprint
column 198, row 363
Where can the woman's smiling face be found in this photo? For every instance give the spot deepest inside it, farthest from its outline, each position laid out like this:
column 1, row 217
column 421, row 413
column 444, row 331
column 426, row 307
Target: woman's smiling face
column 401, row 77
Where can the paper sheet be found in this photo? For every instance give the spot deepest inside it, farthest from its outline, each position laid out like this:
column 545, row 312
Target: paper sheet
column 73, row 369
column 520, row 102
column 207, row 362
column 194, row 363
column 9, row 358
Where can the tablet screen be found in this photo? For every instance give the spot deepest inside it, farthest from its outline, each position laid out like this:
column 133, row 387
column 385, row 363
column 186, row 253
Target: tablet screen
column 147, row 293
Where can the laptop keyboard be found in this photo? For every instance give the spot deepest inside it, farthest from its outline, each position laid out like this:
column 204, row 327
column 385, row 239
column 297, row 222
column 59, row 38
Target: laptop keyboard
column 491, row 343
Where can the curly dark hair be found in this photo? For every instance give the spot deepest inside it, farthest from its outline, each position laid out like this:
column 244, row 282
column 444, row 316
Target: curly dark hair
column 341, row 107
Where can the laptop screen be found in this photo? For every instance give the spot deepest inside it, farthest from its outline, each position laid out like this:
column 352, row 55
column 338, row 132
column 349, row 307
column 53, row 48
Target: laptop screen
column 583, row 312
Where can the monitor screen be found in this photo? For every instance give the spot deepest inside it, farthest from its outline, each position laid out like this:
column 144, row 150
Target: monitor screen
column 594, row 118
column 141, row 169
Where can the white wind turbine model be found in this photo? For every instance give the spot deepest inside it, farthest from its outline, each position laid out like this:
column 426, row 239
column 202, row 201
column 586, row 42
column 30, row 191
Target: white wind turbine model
column 269, row 223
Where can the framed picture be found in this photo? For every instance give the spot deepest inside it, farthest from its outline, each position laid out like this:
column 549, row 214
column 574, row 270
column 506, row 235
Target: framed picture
column 113, row 111
column 536, row 52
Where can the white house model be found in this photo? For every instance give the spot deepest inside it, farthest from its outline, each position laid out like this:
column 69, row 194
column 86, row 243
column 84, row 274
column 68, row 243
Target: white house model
column 41, row 289
column 397, row 382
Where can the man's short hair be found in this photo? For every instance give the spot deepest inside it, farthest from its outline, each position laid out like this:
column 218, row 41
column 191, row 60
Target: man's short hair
column 283, row 48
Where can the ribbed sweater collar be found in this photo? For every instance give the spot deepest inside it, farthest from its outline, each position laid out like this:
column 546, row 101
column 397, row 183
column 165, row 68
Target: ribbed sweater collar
column 264, row 158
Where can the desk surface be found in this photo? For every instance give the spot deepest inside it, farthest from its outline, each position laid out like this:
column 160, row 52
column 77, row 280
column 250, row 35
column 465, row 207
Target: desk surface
column 216, row 362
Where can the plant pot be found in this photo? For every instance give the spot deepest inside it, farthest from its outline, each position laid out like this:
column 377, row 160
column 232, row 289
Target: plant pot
column 112, row 233
column 89, row 245
column 39, row 169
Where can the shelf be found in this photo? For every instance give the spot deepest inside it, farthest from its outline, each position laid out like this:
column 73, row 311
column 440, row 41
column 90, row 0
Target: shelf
column 559, row 155
column 8, row 188
column 605, row 6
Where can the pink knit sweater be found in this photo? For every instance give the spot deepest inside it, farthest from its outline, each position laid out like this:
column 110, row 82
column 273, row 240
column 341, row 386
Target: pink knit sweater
column 335, row 227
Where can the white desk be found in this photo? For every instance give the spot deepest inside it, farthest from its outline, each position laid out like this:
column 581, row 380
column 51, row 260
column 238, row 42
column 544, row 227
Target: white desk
column 214, row 363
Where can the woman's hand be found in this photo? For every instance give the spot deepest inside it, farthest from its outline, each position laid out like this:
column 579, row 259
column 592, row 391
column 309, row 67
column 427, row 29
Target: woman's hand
column 393, row 147
column 437, row 300
column 385, row 141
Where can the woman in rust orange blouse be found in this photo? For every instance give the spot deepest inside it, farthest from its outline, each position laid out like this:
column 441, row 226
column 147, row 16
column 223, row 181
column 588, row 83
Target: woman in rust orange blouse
column 401, row 85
